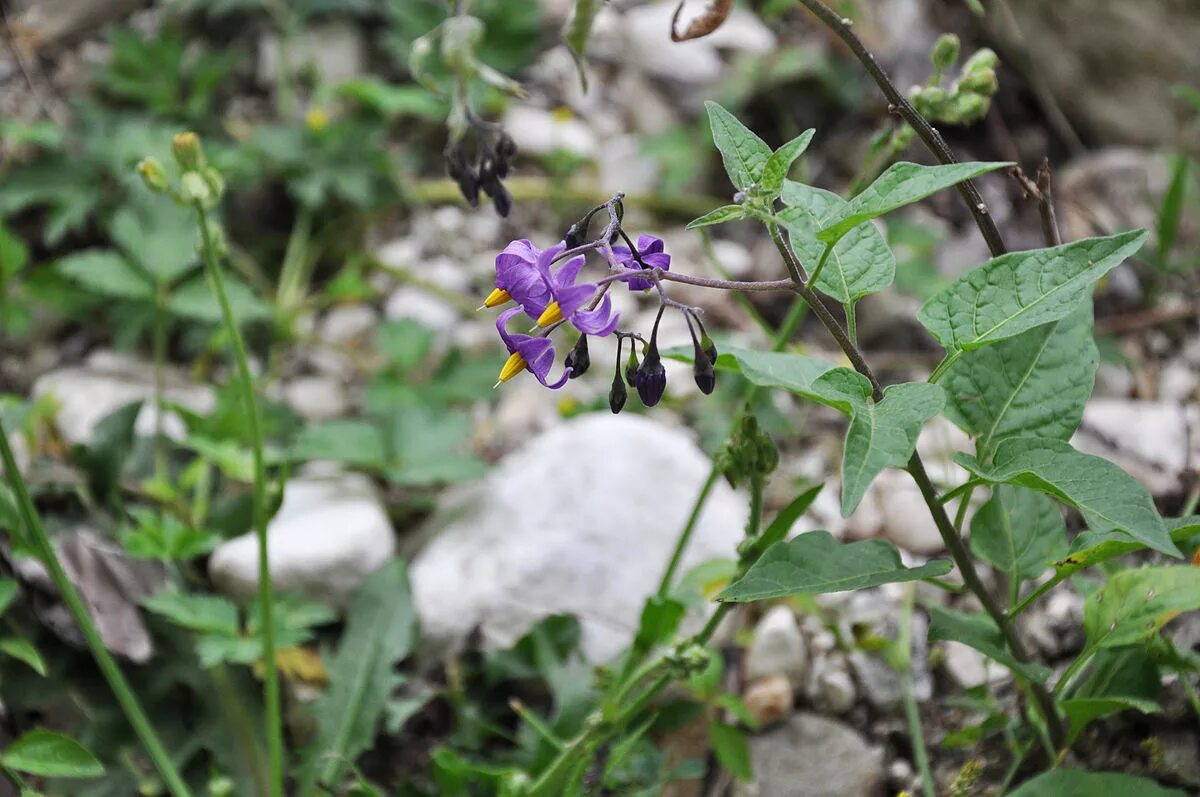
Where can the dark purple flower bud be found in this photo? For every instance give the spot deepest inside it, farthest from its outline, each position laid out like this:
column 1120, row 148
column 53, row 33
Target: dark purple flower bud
column 506, row 148
column 705, row 373
column 461, row 173
column 617, row 395
column 651, row 378
column 631, row 365
column 578, row 359
column 501, row 199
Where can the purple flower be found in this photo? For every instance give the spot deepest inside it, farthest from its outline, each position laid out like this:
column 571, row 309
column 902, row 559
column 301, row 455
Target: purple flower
column 568, row 300
column 650, row 249
column 527, row 352
column 519, row 276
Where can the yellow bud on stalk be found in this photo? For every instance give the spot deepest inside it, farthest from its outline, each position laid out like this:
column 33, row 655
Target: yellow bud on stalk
column 188, row 152
column 194, row 188
column 153, row 174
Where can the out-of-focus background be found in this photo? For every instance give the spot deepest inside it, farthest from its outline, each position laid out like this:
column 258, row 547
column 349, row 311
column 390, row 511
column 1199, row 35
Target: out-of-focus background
column 357, row 269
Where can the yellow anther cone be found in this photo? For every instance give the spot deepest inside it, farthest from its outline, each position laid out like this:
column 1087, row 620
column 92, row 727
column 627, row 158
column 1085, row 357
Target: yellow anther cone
column 514, row 365
column 551, row 315
column 496, row 298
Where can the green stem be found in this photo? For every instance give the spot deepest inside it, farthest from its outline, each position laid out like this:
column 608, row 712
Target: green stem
column 1041, row 590
column 160, row 364
column 851, row 323
column 74, row 603
column 1064, row 685
column 266, row 598
column 820, row 264
column 912, row 712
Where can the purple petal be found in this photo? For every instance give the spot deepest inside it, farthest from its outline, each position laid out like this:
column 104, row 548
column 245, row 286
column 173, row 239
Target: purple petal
column 649, row 244
column 501, row 320
column 599, row 322
column 567, row 274
column 572, row 298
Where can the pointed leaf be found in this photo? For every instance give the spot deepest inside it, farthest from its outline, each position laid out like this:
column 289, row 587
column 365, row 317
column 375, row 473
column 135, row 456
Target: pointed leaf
column 859, row 264
column 787, row 370
column 815, row 562
column 1090, row 547
column 1135, row 604
column 1019, row 532
column 781, row 162
column 719, row 216
column 107, row 273
column 1082, row 710
column 159, row 236
column 1078, row 783
column 732, row 750
column 787, row 518
column 981, row 633
column 22, row 650
column 882, row 435
column 1021, row 290
column 50, row 755
column 900, row 184
column 205, row 613
column 744, row 153
column 8, row 592
column 194, row 300
column 1108, row 498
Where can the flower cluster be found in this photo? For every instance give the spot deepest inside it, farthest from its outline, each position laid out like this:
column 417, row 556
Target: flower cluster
column 546, row 286
column 481, row 167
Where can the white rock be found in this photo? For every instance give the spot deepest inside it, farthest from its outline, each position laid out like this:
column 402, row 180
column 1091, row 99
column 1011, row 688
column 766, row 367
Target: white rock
column 1113, row 381
column 316, row 398
column 624, row 167
column 108, row 381
column 967, row 666
column 347, row 324
column 417, row 304
column 541, row 132
column 778, row 647
column 336, row 50
column 813, row 756
column 1149, row 439
column 582, row 519
column 1178, row 381
column 330, row 533
column 831, row 688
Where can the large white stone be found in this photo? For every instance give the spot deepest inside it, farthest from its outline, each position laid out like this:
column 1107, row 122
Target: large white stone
column 1153, row 440
column 330, row 533
column 778, row 647
column 582, row 519
column 85, row 394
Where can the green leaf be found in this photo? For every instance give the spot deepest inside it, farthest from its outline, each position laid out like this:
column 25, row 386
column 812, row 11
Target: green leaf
column 50, row 755
column 981, row 633
column 660, row 619
column 1082, row 710
column 158, row 236
column 210, row 614
column 380, row 630
column 1135, row 604
column 1170, row 213
column 432, row 447
column 393, row 101
column 794, row 372
column 1021, row 290
column 900, row 184
column 1018, row 531
column 157, row 535
column 8, row 592
column 778, row 165
column 860, row 263
column 815, row 562
column 784, row 521
column 405, row 342
column 732, row 750
column 880, row 435
column 107, row 273
column 356, row 443
column 744, row 153
column 1108, row 498
column 1090, row 547
column 24, row 651
column 719, row 216
column 577, row 31
column 1033, row 385
column 13, row 253
column 195, row 301
column 1078, row 783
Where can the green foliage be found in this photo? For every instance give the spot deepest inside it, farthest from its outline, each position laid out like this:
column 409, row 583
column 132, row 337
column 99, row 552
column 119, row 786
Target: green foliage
column 745, row 154
column 859, row 264
column 1108, row 498
column 1033, row 385
column 1022, row 290
column 1064, row 782
column 163, row 75
column 814, row 562
column 980, row 632
column 900, row 184
column 381, row 630
column 1135, row 604
column 51, row 755
column 1019, row 532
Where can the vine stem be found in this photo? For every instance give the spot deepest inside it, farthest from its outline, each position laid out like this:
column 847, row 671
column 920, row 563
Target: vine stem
column 900, row 105
column 266, row 598
column 74, row 603
column 916, row 468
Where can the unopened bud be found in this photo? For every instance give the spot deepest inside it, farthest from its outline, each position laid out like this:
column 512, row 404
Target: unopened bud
column 617, row 394
column 153, row 174
column 651, row 378
column 981, row 81
column 188, row 152
column 578, row 359
column 945, row 52
column 194, row 188
column 983, row 59
column 214, row 180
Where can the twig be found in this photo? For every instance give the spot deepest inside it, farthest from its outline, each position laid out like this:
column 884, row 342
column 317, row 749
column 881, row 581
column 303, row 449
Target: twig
column 900, row 105
column 1040, row 192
